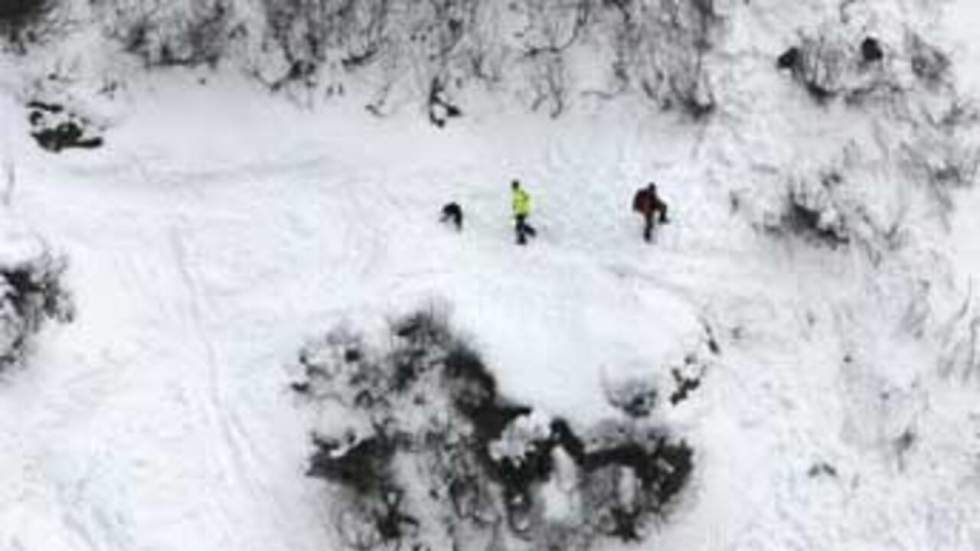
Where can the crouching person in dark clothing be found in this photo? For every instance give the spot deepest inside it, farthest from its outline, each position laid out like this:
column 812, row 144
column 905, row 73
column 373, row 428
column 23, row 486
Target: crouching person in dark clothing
column 651, row 206
column 453, row 214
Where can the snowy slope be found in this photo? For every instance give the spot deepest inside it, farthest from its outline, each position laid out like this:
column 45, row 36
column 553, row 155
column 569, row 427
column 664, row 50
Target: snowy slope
column 221, row 228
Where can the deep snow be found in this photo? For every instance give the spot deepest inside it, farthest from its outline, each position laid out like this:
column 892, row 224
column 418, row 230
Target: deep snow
column 221, row 228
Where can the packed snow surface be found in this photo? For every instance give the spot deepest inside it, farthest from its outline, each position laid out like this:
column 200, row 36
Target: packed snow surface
column 220, row 227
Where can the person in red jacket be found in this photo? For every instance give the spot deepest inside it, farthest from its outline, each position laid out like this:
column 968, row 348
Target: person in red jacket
column 650, row 205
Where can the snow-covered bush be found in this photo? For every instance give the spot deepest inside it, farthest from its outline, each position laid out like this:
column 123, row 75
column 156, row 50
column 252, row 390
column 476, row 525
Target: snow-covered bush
column 826, row 208
column 818, row 64
column 435, row 54
column 424, row 453
column 812, row 210
column 25, row 22
column 162, row 32
column 905, row 84
column 413, row 45
column 306, row 35
column 662, row 47
column 31, row 294
column 840, row 59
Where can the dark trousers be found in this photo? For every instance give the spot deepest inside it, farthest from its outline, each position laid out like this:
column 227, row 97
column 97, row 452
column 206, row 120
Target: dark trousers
column 523, row 229
column 649, row 221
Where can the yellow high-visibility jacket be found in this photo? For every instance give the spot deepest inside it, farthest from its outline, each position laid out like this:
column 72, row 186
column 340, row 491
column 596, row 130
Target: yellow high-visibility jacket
column 521, row 203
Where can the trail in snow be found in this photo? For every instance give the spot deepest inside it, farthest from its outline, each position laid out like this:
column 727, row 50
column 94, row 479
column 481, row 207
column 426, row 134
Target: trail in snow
column 208, row 285
column 205, row 283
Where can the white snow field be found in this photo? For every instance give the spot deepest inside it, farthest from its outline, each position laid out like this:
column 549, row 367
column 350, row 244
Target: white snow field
column 221, row 227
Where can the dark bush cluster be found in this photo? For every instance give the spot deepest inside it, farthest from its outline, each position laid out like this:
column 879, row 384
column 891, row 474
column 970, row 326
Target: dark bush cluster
column 55, row 128
column 429, row 405
column 829, row 66
column 20, row 21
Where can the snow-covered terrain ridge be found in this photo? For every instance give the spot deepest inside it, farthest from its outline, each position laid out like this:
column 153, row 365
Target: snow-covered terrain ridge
column 828, row 246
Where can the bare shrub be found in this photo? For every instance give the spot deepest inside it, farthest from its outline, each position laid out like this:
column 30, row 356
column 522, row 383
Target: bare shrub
column 549, row 82
column 343, row 34
column 433, row 49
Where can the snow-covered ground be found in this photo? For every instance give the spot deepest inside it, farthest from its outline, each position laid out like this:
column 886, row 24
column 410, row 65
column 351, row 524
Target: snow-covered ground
column 220, row 228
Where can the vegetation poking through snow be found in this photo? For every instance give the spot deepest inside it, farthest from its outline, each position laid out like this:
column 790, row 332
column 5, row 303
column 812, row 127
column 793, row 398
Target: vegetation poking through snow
column 827, row 209
column 636, row 398
column 813, row 211
column 686, row 384
column 821, row 469
column 55, row 128
column 166, row 33
column 437, row 54
column 426, row 454
column 31, row 294
column 639, row 397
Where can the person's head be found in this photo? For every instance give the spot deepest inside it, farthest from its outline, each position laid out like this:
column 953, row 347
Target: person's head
column 514, row 184
column 652, row 187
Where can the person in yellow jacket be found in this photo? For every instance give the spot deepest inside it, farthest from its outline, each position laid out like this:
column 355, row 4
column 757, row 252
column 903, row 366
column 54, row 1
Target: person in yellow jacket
column 521, row 205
